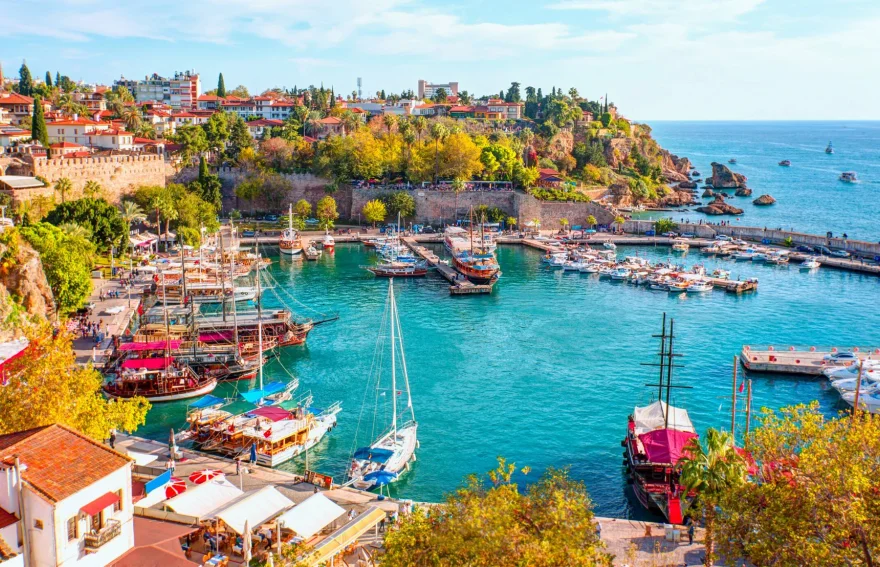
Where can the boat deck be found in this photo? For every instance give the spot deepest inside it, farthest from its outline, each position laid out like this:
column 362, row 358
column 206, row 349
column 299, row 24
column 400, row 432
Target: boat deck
column 791, row 360
column 459, row 285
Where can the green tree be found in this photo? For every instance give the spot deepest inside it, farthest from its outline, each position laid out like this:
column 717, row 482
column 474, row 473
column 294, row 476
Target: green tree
column 48, row 79
column 326, row 212
column 619, row 221
column 132, row 118
column 217, row 131
column 67, row 259
column 239, row 137
column 513, row 94
column 99, row 216
column 711, row 469
column 591, row 221
column 193, row 142
column 440, row 95
column 605, row 119
column 46, row 386
column 63, row 186
column 25, row 81
column 511, row 222
column 208, row 186
column 250, row 189
column 563, row 222
column 39, row 132
column 221, row 87
column 123, row 93
column 490, row 522
column 374, row 211
column 401, row 202
column 663, row 226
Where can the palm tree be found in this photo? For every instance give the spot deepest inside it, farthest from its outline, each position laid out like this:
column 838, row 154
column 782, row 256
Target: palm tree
column 438, row 133
column 710, row 471
column 76, row 230
column 302, row 114
column 92, row 189
column 457, row 187
column 389, row 120
column 63, row 186
column 536, row 224
column 350, row 121
column 131, row 117
column 312, row 124
column 420, row 123
column 511, row 222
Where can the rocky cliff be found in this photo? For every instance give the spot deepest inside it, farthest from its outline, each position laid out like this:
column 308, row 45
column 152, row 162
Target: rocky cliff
column 720, row 207
column 25, row 295
column 675, row 169
column 723, row 178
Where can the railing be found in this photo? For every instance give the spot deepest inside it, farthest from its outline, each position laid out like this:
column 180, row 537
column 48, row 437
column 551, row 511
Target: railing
column 97, row 540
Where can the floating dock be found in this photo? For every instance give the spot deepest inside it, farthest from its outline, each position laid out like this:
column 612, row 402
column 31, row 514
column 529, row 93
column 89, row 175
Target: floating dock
column 459, row 285
column 809, row 361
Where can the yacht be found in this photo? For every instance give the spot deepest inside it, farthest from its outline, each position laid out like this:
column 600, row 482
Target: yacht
column 700, row 286
column 849, row 177
column 870, row 368
column 328, row 243
column 620, row 274
column 290, row 242
column 746, row 254
column 829, row 149
column 679, row 245
column 590, row 268
column 810, row 263
column 312, row 253
column 844, row 385
column 869, row 401
column 678, row 286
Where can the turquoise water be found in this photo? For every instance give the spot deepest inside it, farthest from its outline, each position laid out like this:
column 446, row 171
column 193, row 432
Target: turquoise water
column 810, row 198
column 546, row 369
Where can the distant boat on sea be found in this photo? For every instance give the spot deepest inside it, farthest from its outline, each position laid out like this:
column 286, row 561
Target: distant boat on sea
column 785, row 163
column 732, row 160
column 849, row 177
column 829, row 149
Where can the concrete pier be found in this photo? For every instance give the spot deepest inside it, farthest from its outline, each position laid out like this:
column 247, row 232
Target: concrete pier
column 459, row 284
column 808, row 361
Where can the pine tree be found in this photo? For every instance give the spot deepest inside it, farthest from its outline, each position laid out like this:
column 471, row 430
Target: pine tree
column 38, row 124
column 221, row 87
column 25, row 82
column 48, row 79
column 501, row 94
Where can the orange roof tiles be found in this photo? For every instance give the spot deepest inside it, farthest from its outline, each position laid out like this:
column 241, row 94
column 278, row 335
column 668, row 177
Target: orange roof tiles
column 15, row 98
column 59, row 461
column 330, row 120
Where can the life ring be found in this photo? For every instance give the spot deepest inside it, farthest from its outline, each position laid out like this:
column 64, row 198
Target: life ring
column 877, row 351
column 812, row 349
column 791, row 348
column 855, row 349
column 755, row 359
column 770, row 349
column 797, row 361
column 747, row 347
column 833, row 349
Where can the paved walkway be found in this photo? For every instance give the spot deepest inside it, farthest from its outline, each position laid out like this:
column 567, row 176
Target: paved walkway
column 114, row 313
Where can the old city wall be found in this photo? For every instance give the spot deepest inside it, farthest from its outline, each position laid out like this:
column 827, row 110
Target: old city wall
column 437, row 207
column 118, row 175
column 551, row 212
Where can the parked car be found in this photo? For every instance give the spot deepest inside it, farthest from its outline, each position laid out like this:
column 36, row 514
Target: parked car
column 723, row 237
column 824, row 250
column 428, row 230
column 805, row 249
column 688, row 235
column 840, row 253
column 248, row 233
column 271, row 218
column 670, row 234
column 841, row 357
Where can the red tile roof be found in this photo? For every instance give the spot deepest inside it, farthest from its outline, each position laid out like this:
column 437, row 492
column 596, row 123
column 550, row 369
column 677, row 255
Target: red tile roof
column 59, row 145
column 330, row 120
column 147, row 141
column 156, row 545
column 461, row 109
column 208, row 97
column 80, row 121
column 59, row 461
column 309, row 139
column 15, row 98
column 265, row 122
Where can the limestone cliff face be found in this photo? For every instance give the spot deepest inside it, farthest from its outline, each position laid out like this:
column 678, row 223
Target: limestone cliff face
column 617, row 150
column 675, row 169
column 24, row 292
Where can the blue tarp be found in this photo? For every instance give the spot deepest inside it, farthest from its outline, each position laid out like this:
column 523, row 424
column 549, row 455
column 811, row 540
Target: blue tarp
column 381, row 478
column 371, row 454
column 158, row 482
column 206, row 402
column 255, row 396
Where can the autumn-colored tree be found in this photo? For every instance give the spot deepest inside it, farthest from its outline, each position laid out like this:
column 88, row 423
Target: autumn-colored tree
column 374, row 211
column 815, row 499
column 44, row 386
column 591, row 221
column 490, row 522
column 302, row 209
column 460, row 157
column 326, row 212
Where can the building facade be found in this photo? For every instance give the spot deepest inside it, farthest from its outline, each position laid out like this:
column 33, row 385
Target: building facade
column 427, row 90
column 180, row 91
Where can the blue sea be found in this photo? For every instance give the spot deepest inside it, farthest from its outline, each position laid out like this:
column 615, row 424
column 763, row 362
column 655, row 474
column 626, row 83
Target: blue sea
column 810, row 197
column 545, row 370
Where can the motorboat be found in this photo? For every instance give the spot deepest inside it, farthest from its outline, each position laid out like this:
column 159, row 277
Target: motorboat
column 609, row 245
column 869, row 401
column 785, row 163
column 746, row 254
column 849, row 177
column 558, row 261
column 549, row 257
column 829, row 149
column 720, row 274
column 810, row 263
column 399, row 269
column 620, row 274
column 732, row 161
column 679, row 245
column 777, row 257
column 328, row 243
column 845, row 385
column 573, row 266
column 590, row 268
column 759, row 256
column 312, row 253
column 869, row 367
column 678, row 286
column 700, row 286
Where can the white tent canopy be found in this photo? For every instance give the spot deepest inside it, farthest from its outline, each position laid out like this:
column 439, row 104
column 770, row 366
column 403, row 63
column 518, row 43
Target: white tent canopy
column 141, row 459
column 653, row 417
column 256, row 507
column 313, row 515
column 204, row 498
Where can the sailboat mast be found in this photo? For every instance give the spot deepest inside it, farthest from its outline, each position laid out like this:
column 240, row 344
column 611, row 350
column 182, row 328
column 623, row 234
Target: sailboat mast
column 393, row 316
column 403, row 363
column 290, row 216
column 259, row 320
column 669, row 371
column 234, row 310
column 662, row 359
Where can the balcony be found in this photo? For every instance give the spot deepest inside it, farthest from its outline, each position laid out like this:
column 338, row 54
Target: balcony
column 94, row 541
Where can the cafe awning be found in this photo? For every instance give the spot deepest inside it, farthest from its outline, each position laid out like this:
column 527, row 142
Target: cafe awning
column 99, row 504
column 336, row 542
column 204, row 498
column 148, row 363
column 311, row 516
column 254, row 508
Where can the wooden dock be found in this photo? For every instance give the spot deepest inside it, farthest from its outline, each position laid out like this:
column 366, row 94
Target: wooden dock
column 809, row 361
column 459, row 285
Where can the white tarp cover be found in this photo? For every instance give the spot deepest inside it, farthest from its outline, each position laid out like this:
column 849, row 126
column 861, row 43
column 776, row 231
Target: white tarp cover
column 255, row 507
column 141, row 459
column 201, row 499
column 313, row 515
column 652, row 417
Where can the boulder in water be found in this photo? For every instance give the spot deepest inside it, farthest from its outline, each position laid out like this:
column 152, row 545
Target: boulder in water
column 719, row 207
column 723, row 178
column 743, row 192
column 764, row 200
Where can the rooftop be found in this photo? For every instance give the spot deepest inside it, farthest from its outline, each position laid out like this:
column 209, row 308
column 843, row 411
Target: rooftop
column 59, row 461
column 20, row 182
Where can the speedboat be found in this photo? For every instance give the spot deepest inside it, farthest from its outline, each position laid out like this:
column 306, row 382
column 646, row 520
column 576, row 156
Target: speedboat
column 558, row 262
column 572, row 266
column 680, row 246
column 829, row 149
column 328, row 243
column 869, row 401
column 609, row 245
column 590, row 268
column 721, row 274
column 759, row 257
column 746, row 254
column 810, row 263
column 620, row 274
column 844, row 385
column 849, row 177
column 777, row 257
column 785, row 163
column 869, row 368
column 699, row 286
column 679, row 286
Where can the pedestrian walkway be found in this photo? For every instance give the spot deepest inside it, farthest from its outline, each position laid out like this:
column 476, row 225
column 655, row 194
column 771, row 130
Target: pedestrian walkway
column 112, row 314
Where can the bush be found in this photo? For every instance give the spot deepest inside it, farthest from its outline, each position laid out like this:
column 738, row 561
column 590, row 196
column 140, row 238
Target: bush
column 549, row 194
column 665, row 225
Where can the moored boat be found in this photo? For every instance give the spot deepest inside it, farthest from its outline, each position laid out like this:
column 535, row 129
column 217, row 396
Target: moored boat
column 290, row 243
column 328, row 243
column 785, row 163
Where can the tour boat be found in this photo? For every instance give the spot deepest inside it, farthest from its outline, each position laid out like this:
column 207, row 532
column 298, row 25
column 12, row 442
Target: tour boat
column 679, row 245
column 480, row 269
column 829, row 149
column 721, row 274
column 312, row 253
column 328, row 243
column 849, row 177
column 678, row 286
column 157, row 379
column 732, row 161
column 655, row 441
column 785, row 163
column 700, row 286
column 810, row 263
column 399, row 269
column 455, row 239
column 389, row 456
column 290, row 243
column 205, row 293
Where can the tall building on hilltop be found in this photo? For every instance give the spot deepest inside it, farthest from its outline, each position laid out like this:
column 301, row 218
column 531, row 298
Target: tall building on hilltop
column 427, row 90
column 180, row 91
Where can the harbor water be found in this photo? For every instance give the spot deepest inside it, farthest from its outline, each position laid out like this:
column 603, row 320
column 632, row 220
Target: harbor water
column 546, row 369
column 810, row 197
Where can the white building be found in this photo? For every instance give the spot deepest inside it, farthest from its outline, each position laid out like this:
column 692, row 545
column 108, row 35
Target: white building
column 85, row 132
column 427, row 90
column 180, row 91
column 65, row 499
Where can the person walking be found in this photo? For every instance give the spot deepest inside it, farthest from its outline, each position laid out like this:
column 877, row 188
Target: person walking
column 691, row 530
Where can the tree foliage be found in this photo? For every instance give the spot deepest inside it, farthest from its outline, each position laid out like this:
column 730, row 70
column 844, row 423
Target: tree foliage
column 100, row 217
column 374, row 211
column 67, row 260
column 46, row 386
column 401, row 202
column 490, row 522
column 39, row 132
column 326, row 212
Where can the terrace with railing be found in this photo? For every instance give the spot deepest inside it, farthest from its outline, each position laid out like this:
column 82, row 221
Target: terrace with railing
column 95, row 540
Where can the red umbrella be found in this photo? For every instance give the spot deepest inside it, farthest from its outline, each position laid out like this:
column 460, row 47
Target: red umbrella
column 174, row 487
column 205, row 475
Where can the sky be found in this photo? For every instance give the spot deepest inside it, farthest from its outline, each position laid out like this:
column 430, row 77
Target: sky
column 656, row 59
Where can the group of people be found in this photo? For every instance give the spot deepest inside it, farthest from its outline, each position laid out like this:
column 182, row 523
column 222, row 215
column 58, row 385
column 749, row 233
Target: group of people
column 84, row 328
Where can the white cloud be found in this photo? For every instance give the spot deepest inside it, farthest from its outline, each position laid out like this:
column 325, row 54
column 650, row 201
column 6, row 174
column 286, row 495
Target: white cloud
column 674, row 10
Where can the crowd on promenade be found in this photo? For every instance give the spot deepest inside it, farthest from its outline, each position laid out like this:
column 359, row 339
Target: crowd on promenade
column 474, row 186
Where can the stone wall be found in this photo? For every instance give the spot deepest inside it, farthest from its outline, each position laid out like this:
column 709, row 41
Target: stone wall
column 439, row 207
column 118, row 175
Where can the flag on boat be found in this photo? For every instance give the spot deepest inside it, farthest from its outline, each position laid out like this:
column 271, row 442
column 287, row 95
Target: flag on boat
column 742, row 386
column 399, row 392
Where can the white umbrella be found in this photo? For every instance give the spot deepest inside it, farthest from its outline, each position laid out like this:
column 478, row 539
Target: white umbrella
column 246, row 542
column 271, row 562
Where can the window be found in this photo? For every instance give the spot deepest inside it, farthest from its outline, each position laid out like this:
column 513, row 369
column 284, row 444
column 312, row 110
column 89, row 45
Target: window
column 117, row 506
column 71, row 529
column 38, row 524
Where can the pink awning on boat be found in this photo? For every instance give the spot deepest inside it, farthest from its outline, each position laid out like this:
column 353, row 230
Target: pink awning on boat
column 154, row 345
column 216, row 337
column 148, row 363
column 271, row 412
column 664, row 446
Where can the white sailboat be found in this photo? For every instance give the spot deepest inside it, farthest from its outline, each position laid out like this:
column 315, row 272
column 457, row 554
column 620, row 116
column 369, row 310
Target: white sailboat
column 389, row 456
column 290, row 242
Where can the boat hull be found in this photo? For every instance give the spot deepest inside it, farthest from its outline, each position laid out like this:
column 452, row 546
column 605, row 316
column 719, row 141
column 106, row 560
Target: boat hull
column 207, row 388
column 476, row 276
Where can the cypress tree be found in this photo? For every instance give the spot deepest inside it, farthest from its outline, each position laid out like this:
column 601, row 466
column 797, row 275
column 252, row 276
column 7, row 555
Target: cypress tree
column 57, row 79
column 38, row 124
column 221, row 87
column 604, row 110
column 203, row 167
column 332, row 98
column 25, row 82
column 48, row 79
